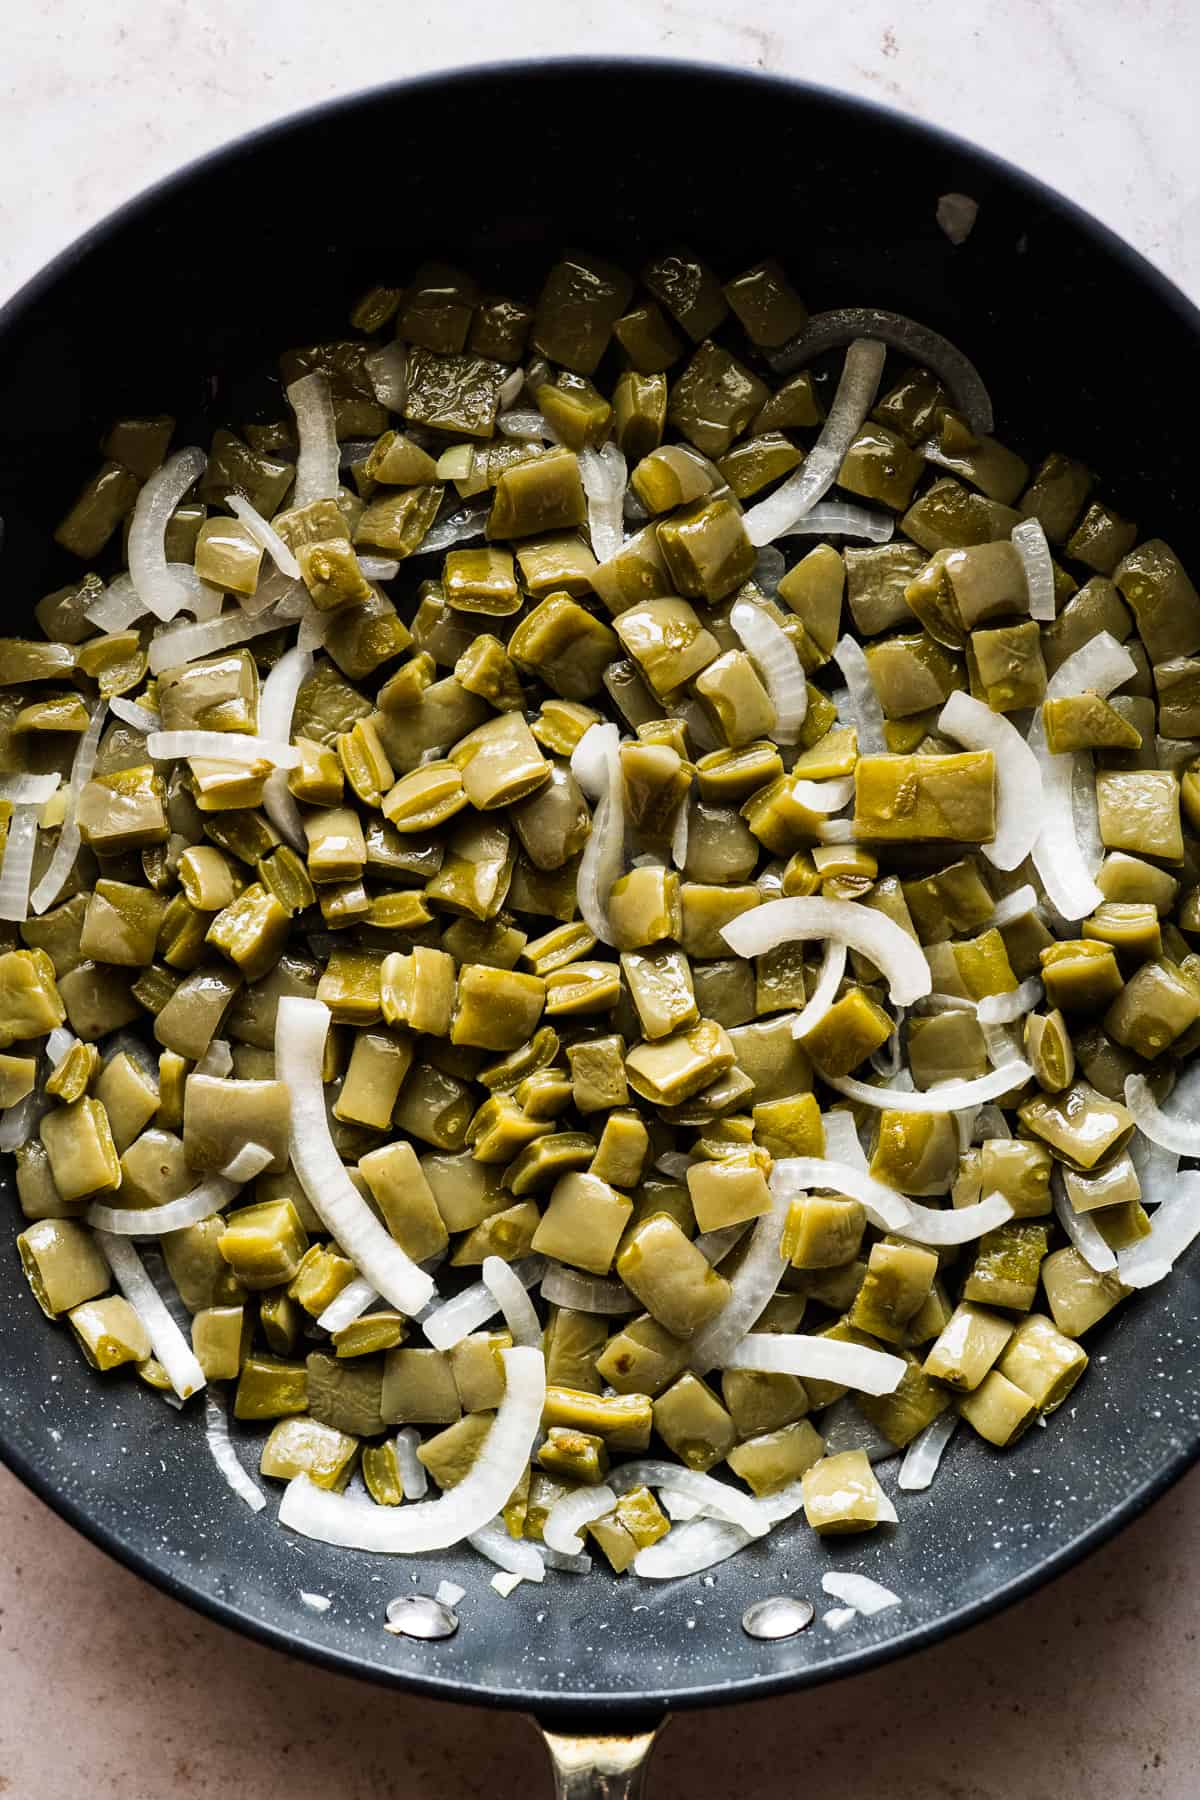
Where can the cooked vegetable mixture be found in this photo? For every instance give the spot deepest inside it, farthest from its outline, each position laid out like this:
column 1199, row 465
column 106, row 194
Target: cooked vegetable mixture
column 587, row 971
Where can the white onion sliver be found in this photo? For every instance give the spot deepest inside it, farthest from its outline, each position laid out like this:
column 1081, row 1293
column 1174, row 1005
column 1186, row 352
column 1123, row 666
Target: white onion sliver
column 770, row 647
column 264, row 535
column 58, row 1043
column 842, row 1142
column 956, row 1224
column 19, row 1122
column 714, row 1496
column 1169, row 1132
column 16, row 863
column 948, row 1096
column 119, row 605
column 527, row 424
column 512, row 1300
column 919, row 343
column 838, row 1617
column 456, row 1318
column 220, row 746
column 586, row 1293
column 220, row 1444
column 248, row 1162
column 707, row 1541
column 187, row 643
column 821, row 1359
column 1006, row 1009
column 859, row 1591
column 140, row 718
column 750, row 1290
column 379, row 568
column 436, row 1524
column 1082, row 1230
column 301, row 1029
column 317, row 461
column 571, row 1565
column 871, row 933
column 1175, row 1226
column 886, row 1209
column 853, row 400
column 833, row 967
column 824, row 796
column 170, row 1346
column 925, row 1452
column 217, row 1059
column 159, row 590
column 863, row 701
column 514, row 1555
column 350, row 1304
column 561, row 1529
column 1013, row 906
column 67, row 849
column 277, row 704
column 604, row 853
column 414, row 1476
column 840, row 518
column 603, row 473
column 1029, row 542
column 28, row 790
column 679, row 834
column 212, row 1195
column 1018, row 775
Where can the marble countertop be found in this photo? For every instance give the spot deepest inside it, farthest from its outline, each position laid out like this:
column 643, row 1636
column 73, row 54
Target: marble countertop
column 1083, row 1691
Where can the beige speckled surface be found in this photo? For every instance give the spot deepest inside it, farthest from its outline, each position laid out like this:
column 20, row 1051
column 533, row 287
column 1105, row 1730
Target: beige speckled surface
column 109, row 1691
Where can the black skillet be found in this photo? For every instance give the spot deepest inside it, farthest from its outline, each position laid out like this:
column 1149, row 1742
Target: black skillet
column 175, row 303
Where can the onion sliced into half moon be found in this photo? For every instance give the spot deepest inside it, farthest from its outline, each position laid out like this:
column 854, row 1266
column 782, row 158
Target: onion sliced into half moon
column 1018, row 775
column 873, row 934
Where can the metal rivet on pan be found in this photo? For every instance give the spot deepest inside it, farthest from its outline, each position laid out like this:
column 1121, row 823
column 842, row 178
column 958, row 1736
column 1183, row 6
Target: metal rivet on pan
column 778, row 1617
column 417, row 1616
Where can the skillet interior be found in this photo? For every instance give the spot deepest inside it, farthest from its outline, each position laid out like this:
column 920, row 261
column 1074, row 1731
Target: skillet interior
column 176, row 303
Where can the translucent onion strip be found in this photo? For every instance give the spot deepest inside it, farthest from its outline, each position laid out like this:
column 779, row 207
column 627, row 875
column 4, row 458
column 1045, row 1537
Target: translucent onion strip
column 948, row 1096
column 300, row 1032
column 264, row 535
column 1082, row 1230
column 853, row 400
column 317, row 461
column 211, row 1196
column 187, row 643
column 928, row 348
column 1018, row 775
column 603, row 474
column 1176, row 1225
column 840, row 518
column 770, row 647
column 16, row 863
column 276, row 706
column 347, row 1306
column 170, row 1346
column 220, row 746
column 28, row 790
column 925, row 1452
column 139, row 718
column 512, row 1300
column 859, row 1591
column 514, row 1555
column 1006, row 1009
column 714, row 1496
column 436, row 1524
column 220, row 1444
column 886, row 1209
column 414, row 1476
column 1014, row 906
column 561, row 1529
column 833, row 967
column 455, row 1319
column 157, row 588
column 872, row 934
column 751, row 1288
column 120, row 604
column 1169, row 1131
column 67, row 849
column 821, row 1359
column 1029, row 542
column 863, row 701
column 586, row 1293
column 604, row 853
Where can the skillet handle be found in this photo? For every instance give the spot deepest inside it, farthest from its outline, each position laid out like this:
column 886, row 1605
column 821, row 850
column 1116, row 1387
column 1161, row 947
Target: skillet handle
column 600, row 1768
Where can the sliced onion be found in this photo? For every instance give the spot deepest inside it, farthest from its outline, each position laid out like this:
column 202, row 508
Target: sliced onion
column 188, row 643
column 512, row 1300
column 220, row 1444
column 824, row 797
column 317, row 461
column 842, row 1142
column 827, row 330
column 751, row 1288
column 217, row 1059
column 1176, row 1225
column 120, row 604
column 170, row 1346
column 141, row 718
column 925, row 1452
column 301, row 1029
column 455, row 1319
column 276, row 707
column 19, row 1122
column 770, row 566
column 220, row 746
column 387, row 371
column 1029, row 542
column 1014, row 906
column 1082, row 1229
column 28, row 790
column 1169, row 1131
column 1006, row 1009
column 957, row 1224
column 1101, row 665
column 603, row 474
column 67, row 849
column 527, row 424
column 1018, row 775
column 604, row 853
column 414, row 1476
column 856, row 390
column 350, row 1304
column 872, row 934
column 514, row 1555
column 160, row 591
column 862, row 701
column 775, row 654
column 716, row 1498
column 948, row 1096
column 59, row 1043
column 436, row 1524
column 840, row 518
column 249, row 1161
column 264, row 535
column 838, row 1617
column 859, row 1591
column 211, row 1196
column 821, row 1359
column 511, row 388
column 379, row 568
column 586, row 1293
column 833, row 967
column 457, row 527
column 886, row 1209
column 561, row 1529
column 679, row 835
column 16, row 867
